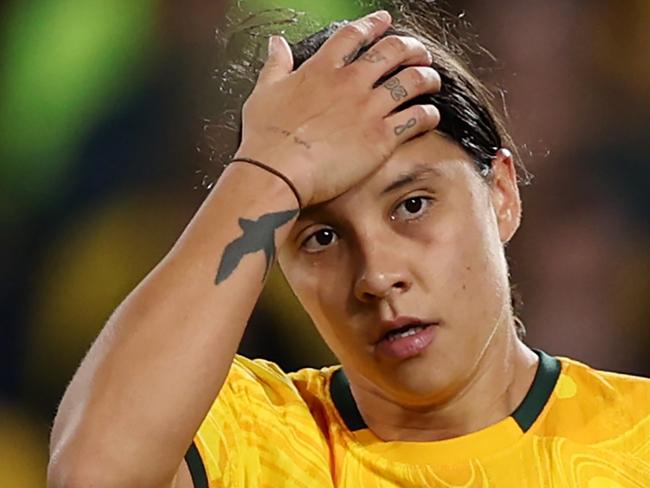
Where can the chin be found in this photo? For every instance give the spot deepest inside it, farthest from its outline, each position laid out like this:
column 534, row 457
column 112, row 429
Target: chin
column 418, row 381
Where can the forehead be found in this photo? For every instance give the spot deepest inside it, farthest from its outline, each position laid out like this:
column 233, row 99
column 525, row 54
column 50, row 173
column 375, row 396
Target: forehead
column 432, row 156
column 433, row 150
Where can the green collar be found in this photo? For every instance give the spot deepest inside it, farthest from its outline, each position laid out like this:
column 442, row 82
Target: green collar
column 525, row 414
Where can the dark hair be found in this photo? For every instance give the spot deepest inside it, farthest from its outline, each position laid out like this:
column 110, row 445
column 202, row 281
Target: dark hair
column 467, row 113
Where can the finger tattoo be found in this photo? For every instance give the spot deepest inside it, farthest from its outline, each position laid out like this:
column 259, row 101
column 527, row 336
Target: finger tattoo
column 400, row 129
column 373, row 57
column 348, row 58
column 397, row 91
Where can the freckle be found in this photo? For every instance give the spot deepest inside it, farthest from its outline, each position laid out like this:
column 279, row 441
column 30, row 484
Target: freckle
column 468, row 268
column 464, row 287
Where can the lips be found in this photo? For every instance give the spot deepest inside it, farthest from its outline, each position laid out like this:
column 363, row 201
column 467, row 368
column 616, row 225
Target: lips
column 402, row 324
column 406, row 331
column 405, row 337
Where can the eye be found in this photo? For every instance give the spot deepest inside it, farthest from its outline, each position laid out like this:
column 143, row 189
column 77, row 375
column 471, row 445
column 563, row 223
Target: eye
column 412, row 208
column 320, row 240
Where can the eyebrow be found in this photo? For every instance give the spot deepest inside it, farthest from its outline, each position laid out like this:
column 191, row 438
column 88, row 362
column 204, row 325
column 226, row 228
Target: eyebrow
column 420, row 172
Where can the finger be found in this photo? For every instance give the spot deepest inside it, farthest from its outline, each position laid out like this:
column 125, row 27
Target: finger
column 412, row 121
column 405, row 85
column 346, row 42
column 279, row 62
column 391, row 52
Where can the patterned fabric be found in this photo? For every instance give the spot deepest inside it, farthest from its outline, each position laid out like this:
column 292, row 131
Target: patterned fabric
column 590, row 429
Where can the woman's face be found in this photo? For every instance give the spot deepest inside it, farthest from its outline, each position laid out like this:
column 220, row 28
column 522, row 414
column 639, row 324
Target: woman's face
column 420, row 238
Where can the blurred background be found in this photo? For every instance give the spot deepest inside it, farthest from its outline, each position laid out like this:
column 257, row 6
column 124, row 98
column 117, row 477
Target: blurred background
column 113, row 122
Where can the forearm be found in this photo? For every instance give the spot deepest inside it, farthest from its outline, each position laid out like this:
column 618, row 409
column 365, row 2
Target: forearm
column 150, row 377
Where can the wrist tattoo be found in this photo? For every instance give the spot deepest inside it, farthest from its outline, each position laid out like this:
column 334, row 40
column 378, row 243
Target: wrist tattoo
column 400, row 129
column 259, row 235
column 397, row 91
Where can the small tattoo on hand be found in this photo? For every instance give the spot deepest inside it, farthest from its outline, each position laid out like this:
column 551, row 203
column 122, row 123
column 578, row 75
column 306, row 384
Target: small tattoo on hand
column 397, row 91
column 373, row 57
column 302, row 142
column 400, row 129
column 348, row 58
column 288, row 133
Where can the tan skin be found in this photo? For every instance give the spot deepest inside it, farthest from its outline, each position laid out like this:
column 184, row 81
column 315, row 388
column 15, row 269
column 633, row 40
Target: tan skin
column 433, row 249
column 149, row 379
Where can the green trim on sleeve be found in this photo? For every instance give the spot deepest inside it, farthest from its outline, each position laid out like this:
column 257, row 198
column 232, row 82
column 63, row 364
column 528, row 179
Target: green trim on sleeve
column 197, row 469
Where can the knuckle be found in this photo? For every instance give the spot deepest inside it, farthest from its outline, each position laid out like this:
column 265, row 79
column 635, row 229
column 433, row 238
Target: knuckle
column 373, row 22
column 351, row 73
column 352, row 31
column 419, row 47
column 374, row 132
column 421, row 113
column 419, row 78
column 350, row 83
column 423, row 78
column 436, row 81
column 429, row 114
column 398, row 44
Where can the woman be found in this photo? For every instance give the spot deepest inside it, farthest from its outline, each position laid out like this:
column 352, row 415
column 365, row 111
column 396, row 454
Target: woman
column 376, row 169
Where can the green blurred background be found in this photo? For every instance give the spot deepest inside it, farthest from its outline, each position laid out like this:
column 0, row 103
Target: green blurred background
column 112, row 119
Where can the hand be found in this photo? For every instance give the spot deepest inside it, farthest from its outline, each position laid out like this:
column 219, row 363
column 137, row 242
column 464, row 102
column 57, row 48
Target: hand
column 325, row 125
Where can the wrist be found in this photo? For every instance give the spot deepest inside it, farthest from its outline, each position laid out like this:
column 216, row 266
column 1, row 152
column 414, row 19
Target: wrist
column 291, row 166
column 256, row 187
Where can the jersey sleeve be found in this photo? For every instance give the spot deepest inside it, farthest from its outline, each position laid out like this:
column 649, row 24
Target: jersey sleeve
column 242, row 425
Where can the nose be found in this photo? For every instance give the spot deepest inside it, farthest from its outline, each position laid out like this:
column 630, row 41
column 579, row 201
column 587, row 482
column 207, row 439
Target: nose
column 382, row 273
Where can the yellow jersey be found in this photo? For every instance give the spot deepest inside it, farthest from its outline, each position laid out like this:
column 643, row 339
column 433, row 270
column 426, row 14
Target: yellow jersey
column 576, row 427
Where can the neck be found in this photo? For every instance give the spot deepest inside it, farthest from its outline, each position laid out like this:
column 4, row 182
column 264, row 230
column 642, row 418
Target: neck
column 495, row 388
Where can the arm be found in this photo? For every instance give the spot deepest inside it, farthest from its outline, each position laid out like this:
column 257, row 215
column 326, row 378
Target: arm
column 158, row 364
column 149, row 379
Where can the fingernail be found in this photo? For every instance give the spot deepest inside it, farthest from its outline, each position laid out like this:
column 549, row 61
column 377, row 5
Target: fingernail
column 382, row 15
column 273, row 42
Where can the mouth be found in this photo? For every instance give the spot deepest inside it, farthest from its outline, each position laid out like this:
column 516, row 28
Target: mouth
column 405, row 331
column 405, row 338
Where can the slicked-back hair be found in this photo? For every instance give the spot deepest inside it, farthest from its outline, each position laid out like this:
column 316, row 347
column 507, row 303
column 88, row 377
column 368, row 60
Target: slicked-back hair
column 467, row 114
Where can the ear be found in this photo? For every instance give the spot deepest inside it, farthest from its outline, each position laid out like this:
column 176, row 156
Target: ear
column 504, row 194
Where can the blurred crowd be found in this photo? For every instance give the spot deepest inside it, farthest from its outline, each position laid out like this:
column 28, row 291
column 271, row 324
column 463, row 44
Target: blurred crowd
column 104, row 157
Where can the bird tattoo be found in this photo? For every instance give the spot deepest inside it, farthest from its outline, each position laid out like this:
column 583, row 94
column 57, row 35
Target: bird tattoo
column 259, row 235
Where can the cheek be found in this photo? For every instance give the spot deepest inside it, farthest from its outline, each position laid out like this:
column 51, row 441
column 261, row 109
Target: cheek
column 319, row 286
column 469, row 262
column 484, row 283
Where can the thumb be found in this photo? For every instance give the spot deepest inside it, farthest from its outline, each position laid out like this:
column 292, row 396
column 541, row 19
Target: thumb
column 280, row 60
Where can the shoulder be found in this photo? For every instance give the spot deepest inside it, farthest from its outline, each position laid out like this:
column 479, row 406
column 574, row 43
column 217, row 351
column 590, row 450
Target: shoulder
column 257, row 387
column 591, row 405
column 266, row 376
column 259, row 401
column 605, row 386
column 259, row 408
